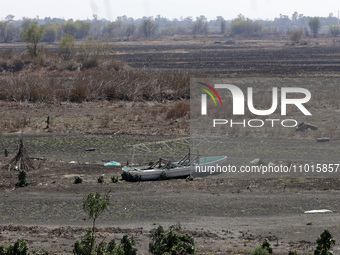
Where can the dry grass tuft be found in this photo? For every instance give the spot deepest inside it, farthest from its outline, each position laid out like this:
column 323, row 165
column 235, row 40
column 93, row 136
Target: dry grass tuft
column 181, row 109
column 79, row 80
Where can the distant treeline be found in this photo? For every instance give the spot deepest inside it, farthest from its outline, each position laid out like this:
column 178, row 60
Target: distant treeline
column 126, row 28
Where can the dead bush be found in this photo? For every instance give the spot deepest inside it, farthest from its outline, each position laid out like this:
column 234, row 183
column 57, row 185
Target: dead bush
column 17, row 65
column 90, row 63
column 181, row 109
column 13, row 65
column 62, row 81
column 7, row 54
column 295, row 37
column 79, row 92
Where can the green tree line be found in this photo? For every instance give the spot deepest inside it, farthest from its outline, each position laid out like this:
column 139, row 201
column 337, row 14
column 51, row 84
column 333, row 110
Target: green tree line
column 11, row 29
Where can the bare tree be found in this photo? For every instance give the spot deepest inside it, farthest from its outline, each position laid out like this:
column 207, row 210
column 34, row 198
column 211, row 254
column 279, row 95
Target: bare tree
column 148, row 27
column 21, row 161
column 130, row 30
column 7, row 29
column 223, row 26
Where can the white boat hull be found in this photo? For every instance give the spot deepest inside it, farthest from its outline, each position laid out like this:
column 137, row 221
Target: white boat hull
column 155, row 174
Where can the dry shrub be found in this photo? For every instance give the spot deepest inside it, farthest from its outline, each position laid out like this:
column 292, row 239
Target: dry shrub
column 90, row 63
column 17, row 65
column 79, row 92
column 21, row 122
column 7, row 54
column 61, row 94
column 67, row 66
column 161, row 109
column 112, row 64
column 98, row 78
column 146, row 85
column 181, row 109
column 50, row 59
column 40, row 89
column 27, row 88
column 16, row 124
column 105, row 121
column 11, row 62
column 104, row 78
column 3, row 65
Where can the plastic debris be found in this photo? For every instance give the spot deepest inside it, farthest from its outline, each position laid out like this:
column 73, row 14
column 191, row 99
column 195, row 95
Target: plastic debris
column 319, row 211
column 255, row 161
column 323, row 139
column 306, row 127
column 112, row 163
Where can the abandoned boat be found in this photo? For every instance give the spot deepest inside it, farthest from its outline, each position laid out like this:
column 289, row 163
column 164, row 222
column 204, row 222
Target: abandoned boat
column 163, row 169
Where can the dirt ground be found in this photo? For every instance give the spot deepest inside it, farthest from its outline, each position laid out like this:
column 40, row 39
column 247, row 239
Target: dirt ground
column 225, row 215
column 234, row 57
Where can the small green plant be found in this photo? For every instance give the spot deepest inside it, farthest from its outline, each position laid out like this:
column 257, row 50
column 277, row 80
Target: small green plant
column 325, row 242
column 100, row 179
column 189, row 178
column 264, row 249
column 170, row 243
column 42, row 252
column 111, row 246
column 114, row 179
column 20, row 247
column 2, row 250
column 94, row 204
column 292, row 253
column 6, row 153
column 163, row 176
column 126, row 176
column 127, row 246
column 48, row 122
column 77, row 179
column 83, row 246
column 260, row 251
column 22, row 179
column 266, row 245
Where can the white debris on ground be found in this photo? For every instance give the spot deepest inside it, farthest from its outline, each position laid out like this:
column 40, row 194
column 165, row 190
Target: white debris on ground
column 319, row 211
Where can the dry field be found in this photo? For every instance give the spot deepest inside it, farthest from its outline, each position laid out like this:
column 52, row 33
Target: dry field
column 139, row 93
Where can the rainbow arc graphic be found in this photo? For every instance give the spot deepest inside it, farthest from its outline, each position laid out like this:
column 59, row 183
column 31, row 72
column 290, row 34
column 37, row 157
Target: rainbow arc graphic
column 204, row 96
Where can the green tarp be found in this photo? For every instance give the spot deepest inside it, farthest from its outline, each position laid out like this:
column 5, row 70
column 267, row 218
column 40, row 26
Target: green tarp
column 112, row 163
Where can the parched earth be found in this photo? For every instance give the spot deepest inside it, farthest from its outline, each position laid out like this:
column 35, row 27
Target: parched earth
column 225, row 215
column 225, row 56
